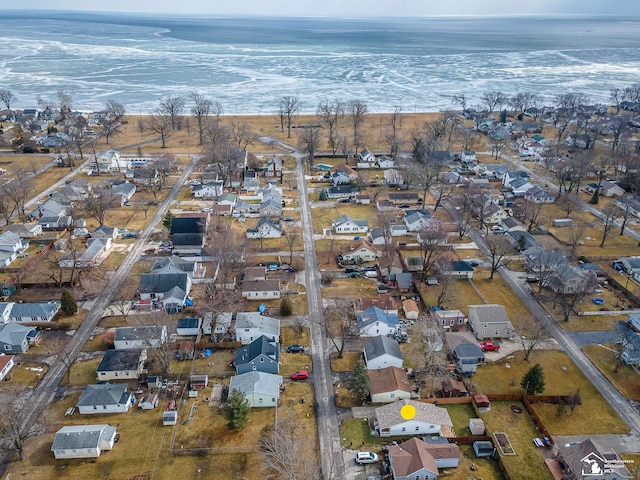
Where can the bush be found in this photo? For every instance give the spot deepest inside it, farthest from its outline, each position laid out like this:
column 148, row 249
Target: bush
column 286, row 308
column 28, row 149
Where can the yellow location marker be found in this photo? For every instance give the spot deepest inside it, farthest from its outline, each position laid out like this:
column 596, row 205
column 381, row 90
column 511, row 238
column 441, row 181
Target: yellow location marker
column 407, row 412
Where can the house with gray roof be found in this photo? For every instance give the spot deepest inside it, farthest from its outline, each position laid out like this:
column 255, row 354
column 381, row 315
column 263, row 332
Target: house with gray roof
column 105, row 232
column 629, row 333
column 189, row 326
column 489, row 321
column 14, row 338
column 348, row 224
column 260, row 389
column 539, row 195
column 175, row 264
column 83, row 441
column 261, row 289
column 382, row 352
column 121, row 365
column 342, row 191
column 50, row 208
column 521, row 240
column 97, row 251
column 251, row 325
column 33, row 311
column 261, row 355
column 374, row 321
column 417, row 220
column 125, row 190
column 139, row 337
column 11, row 245
column 567, row 279
column 589, row 460
column 188, row 243
column 170, row 290
column 105, row 398
column 55, row 223
column 266, row 228
column 25, row 230
column 468, row 356
column 428, row 420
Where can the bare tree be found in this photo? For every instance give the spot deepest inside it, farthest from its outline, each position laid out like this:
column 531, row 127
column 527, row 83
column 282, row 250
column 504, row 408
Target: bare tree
column 357, row 109
column 124, row 297
column 172, row 107
column 7, row 97
column 338, row 321
column 65, row 101
column 159, row 350
column 7, row 206
column 308, row 140
column 432, row 247
column 569, row 300
column 75, row 127
column 575, row 235
column 567, row 105
column 530, row 333
column 99, row 202
column 19, row 191
column 289, row 107
column 617, row 95
column 292, row 235
column 464, row 210
column 15, row 425
column 392, row 137
column 461, row 100
column 330, row 113
column 445, row 280
column 499, row 247
column 285, row 453
column 609, row 218
column 160, row 124
column 494, row 100
column 530, row 212
column 241, row 134
column 201, row 109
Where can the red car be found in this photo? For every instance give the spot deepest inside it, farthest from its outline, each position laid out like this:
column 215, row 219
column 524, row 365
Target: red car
column 489, row 346
column 300, row 375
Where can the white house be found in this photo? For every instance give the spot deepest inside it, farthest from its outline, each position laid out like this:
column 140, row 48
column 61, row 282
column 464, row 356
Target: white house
column 33, row 311
column 347, row 224
column 261, row 289
column 489, row 321
column 121, row 365
column 25, row 230
column 382, row 352
column 105, row 398
column 428, row 420
column 135, row 338
column 266, row 228
column 468, row 156
column 389, row 385
column 416, row 220
column 393, row 178
column 260, row 389
column 11, row 245
column 366, row 159
column 208, row 190
column 358, row 251
column 539, row 195
column 417, row 459
column 83, row 441
column 374, row 321
column 385, row 161
column 6, row 364
column 252, row 325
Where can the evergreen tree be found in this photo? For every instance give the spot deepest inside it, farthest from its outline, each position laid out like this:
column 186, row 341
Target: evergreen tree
column 236, row 410
column 533, row 380
column 67, row 303
column 359, row 382
column 324, row 195
column 286, row 308
column 166, row 221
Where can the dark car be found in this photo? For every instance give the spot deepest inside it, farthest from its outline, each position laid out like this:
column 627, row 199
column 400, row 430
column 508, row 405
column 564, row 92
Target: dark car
column 350, row 270
column 354, row 275
column 295, row 349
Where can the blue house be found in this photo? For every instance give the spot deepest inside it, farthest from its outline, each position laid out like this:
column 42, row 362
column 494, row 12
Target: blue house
column 261, row 355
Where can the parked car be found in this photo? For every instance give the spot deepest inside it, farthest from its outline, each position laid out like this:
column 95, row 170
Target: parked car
column 354, row 275
column 350, row 270
column 356, row 238
column 300, row 375
column 366, row 457
column 497, row 229
column 382, row 289
column 344, row 200
column 130, row 235
column 532, row 279
column 489, row 346
column 295, row 349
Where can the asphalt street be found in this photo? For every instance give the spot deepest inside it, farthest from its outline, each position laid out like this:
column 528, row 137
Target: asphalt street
column 45, row 391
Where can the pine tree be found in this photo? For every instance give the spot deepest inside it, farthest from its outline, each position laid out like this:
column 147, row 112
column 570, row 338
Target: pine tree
column 359, row 382
column 286, row 308
column 166, row 221
column 533, row 380
column 236, row 410
column 67, row 303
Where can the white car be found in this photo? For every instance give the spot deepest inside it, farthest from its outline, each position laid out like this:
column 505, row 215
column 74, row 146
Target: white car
column 366, row 457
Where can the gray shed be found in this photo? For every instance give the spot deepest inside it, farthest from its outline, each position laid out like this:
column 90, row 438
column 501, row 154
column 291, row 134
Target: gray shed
column 170, row 417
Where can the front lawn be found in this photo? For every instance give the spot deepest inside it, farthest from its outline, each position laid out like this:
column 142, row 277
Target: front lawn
column 624, row 378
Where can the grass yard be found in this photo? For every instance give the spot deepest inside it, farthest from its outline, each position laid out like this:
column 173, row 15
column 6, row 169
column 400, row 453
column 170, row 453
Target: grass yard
column 25, row 374
column 562, row 377
column 459, row 296
column 460, row 415
column 527, row 463
column 82, row 372
column 587, row 323
column 324, row 217
column 351, row 288
column 347, row 363
column 47, row 178
column 625, row 379
column 498, row 291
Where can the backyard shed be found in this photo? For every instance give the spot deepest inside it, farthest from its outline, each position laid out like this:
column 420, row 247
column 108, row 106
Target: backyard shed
column 198, row 381
column 482, row 402
column 483, row 448
column 476, row 426
column 170, row 417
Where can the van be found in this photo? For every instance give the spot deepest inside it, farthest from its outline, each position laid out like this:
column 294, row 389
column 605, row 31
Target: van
column 371, row 274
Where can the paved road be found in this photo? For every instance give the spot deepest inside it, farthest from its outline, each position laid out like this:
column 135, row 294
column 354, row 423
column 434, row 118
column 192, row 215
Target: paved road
column 46, row 390
column 326, row 415
column 615, row 399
